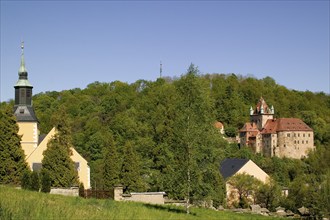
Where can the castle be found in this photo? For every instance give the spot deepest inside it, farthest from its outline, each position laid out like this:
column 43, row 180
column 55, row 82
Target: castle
column 282, row 137
column 32, row 143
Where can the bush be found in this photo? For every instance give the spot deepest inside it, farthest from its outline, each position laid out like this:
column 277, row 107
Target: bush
column 81, row 190
column 35, row 181
column 26, row 180
column 45, row 181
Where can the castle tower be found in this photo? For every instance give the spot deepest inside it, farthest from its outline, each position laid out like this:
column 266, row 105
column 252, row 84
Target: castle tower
column 261, row 113
column 23, row 110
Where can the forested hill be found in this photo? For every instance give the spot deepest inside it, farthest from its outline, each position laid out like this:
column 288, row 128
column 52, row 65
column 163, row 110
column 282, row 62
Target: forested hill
column 129, row 109
column 163, row 130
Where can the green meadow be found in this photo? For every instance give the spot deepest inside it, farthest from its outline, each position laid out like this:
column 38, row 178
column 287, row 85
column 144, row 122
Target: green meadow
column 21, row 204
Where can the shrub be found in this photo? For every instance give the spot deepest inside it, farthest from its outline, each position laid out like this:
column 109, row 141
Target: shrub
column 26, row 180
column 35, row 181
column 81, row 190
column 45, row 181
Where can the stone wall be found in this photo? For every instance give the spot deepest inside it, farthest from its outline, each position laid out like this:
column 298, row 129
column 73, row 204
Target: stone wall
column 145, row 197
column 73, row 191
column 295, row 144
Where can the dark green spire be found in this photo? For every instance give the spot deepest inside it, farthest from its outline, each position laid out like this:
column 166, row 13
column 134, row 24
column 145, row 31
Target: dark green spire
column 23, row 109
column 22, row 72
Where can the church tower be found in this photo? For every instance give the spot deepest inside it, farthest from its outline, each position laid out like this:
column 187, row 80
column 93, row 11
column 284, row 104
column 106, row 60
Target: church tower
column 261, row 113
column 23, row 110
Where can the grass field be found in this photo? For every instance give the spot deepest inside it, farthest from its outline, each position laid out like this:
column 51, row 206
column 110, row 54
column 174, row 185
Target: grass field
column 21, row 204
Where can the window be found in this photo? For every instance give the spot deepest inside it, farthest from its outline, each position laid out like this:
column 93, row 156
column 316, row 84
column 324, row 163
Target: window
column 288, row 134
column 302, row 142
column 306, row 142
column 28, row 93
column 294, row 135
column 309, row 135
column 304, row 135
column 298, row 135
column 77, row 166
column 297, row 142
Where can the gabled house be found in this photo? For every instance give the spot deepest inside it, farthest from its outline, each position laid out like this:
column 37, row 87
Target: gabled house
column 32, row 143
column 233, row 166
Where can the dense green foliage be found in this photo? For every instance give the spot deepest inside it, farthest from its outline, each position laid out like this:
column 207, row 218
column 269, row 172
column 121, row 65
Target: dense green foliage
column 56, row 161
column 12, row 157
column 168, row 124
column 269, row 195
column 45, row 181
column 111, row 165
column 245, row 184
column 21, row 204
column 35, row 181
column 26, row 180
column 130, row 172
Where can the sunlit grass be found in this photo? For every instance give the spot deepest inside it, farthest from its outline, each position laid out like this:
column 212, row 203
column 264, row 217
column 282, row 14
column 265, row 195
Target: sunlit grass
column 21, row 204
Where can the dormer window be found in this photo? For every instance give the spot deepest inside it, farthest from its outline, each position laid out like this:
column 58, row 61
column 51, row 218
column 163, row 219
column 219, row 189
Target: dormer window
column 21, row 111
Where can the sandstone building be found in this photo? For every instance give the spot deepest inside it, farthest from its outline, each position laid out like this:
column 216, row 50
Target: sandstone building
column 33, row 144
column 282, row 137
column 234, row 166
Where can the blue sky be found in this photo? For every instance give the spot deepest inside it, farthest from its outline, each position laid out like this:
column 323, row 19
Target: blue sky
column 71, row 44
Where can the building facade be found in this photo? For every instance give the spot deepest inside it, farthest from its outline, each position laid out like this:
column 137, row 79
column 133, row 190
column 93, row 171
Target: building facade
column 282, row 137
column 234, row 166
column 32, row 144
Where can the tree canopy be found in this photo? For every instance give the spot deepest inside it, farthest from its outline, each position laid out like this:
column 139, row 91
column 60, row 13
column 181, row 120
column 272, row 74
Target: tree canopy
column 12, row 157
column 168, row 125
column 56, row 161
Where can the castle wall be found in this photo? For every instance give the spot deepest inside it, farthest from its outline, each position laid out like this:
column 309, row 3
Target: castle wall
column 269, row 145
column 295, row 144
column 261, row 119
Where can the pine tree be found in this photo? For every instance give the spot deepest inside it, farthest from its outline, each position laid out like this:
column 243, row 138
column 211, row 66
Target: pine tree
column 111, row 165
column 57, row 159
column 130, row 173
column 12, row 157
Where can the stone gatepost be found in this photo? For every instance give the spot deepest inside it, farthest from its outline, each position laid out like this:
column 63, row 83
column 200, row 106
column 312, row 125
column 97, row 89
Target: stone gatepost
column 118, row 192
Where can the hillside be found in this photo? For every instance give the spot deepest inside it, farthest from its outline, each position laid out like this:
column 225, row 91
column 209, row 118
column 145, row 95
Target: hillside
column 21, row 204
column 166, row 126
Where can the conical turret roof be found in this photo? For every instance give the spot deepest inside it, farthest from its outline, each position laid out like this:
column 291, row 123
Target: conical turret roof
column 262, row 107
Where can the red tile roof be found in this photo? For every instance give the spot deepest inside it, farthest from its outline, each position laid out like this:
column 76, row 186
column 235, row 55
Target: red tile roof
column 249, row 127
column 285, row 124
column 218, row 125
column 270, row 127
column 262, row 103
